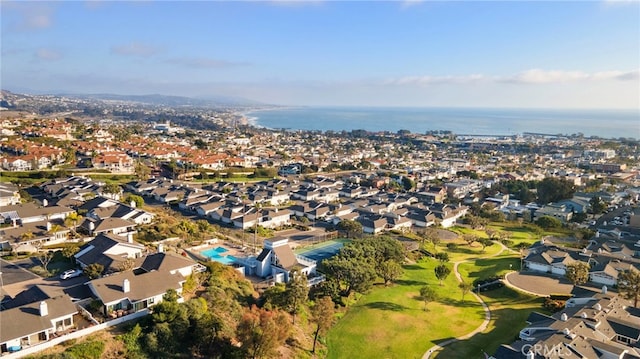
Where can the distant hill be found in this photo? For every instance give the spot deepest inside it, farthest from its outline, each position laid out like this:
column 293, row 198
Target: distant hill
column 165, row 100
column 26, row 101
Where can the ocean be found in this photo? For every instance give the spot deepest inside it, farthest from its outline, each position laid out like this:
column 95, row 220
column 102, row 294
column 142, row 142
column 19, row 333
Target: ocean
column 469, row 121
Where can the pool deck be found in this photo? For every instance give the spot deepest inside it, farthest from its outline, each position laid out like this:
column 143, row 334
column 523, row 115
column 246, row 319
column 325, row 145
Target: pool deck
column 232, row 250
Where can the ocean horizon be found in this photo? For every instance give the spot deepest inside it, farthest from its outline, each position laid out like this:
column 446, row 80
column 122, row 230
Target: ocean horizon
column 462, row 121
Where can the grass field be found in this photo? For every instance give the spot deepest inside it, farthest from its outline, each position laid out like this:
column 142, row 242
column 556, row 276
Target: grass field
column 390, row 322
column 509, row 310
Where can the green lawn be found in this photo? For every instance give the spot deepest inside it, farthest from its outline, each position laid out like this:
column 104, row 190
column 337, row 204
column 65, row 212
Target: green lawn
column 489, row 267
column 466, row 252
column 391, row 322
column 509, row 310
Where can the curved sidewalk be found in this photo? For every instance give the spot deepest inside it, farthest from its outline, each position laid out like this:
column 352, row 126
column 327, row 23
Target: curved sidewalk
column 485, row 307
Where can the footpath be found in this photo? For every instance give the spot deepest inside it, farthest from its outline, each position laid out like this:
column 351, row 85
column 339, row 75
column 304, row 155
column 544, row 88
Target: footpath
column 485, row 307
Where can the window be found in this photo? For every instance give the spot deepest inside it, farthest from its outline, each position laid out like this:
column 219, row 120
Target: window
column 151, row 300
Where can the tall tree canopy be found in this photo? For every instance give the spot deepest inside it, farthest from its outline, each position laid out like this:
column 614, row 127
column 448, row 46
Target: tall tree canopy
column 553, row 189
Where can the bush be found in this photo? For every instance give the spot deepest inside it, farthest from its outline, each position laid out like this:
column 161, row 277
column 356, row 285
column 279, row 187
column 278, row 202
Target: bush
column 87, row 350
column 554, row 305
column 452, row 246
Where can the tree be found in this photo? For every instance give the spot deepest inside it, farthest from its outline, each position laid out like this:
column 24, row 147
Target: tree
column 408, row 183
column 142, row 171
column 323, row 313
column 465, row 288
column 69, row 250
column 112, row 188
column 427, row 294
column 442, row 272
column 262, row 332
column 72, row 220
column 443, row 257
column 137, row 200
column 296, row 293
column 485, row 242
column 553, row 189
column 350, row 274
column 350, row 226
column 45, row 258
column 469, row 238
column 390, row 271
column 577, row 273
column 548, row 222
column 93, row 270
column 597, row 205
column 629, row 285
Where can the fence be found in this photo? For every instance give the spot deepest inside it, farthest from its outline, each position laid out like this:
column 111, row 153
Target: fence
column 74, row 335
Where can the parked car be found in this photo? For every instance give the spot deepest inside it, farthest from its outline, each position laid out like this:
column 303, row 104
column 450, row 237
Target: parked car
column 71, row 273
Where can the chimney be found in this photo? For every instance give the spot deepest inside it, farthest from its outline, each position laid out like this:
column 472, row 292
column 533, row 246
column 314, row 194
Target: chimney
column 160, row 248
column 132, row 204
column 130, row 237
column 126, row 286
column 604, row 289
column 44, row 309
column 45, row 202
column 48, row 226
column 564, row 317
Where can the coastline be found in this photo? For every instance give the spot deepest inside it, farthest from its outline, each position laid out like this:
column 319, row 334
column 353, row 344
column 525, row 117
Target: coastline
column 605, row 124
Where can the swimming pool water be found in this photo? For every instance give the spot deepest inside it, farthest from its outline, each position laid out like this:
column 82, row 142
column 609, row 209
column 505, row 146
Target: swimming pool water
column 214, row 254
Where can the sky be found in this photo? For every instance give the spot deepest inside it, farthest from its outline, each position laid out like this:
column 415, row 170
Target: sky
column 511, row 54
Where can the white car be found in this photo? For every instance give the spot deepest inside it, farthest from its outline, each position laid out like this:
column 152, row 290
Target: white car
column 71, row 273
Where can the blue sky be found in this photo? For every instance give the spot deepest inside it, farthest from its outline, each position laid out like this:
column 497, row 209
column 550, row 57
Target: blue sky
column 542, row 54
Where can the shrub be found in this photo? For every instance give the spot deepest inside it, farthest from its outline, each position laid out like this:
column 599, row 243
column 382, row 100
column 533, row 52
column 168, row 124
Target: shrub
column 553, row 305
column 88, row 350
column 452, row 246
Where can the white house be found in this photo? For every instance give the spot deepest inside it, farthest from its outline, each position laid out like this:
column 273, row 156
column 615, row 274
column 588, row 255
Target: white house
column 35, row 323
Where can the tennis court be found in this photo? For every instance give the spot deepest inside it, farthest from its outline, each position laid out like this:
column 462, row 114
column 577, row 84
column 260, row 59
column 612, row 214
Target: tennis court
column 323, row 250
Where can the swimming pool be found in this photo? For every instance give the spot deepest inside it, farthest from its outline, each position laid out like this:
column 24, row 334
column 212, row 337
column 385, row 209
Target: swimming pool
column 214, row 254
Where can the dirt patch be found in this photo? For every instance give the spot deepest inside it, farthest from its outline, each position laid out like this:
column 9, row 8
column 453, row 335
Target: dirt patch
column 446, row 235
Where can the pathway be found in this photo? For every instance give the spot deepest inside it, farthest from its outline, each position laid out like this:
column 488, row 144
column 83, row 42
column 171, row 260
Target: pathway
column 487, row 311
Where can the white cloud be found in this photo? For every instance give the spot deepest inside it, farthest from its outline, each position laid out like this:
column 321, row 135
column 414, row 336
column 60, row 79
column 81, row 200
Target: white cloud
column 430, row 80
column 538, row 76
column 532, row 76
column 30, row 15
column 203, row 62
column 48, row 54
column 409, row 3
column 135, row 49
column 621, row 2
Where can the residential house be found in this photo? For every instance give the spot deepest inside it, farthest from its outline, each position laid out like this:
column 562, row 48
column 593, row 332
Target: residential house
column 448, row 215
column 277, row 260
column 35, row 322
column 596, row 325
column 555, row 210
column 9, row 194
column 30, row 212
column 131, row 291
column 109, row 251
column 31, row 236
